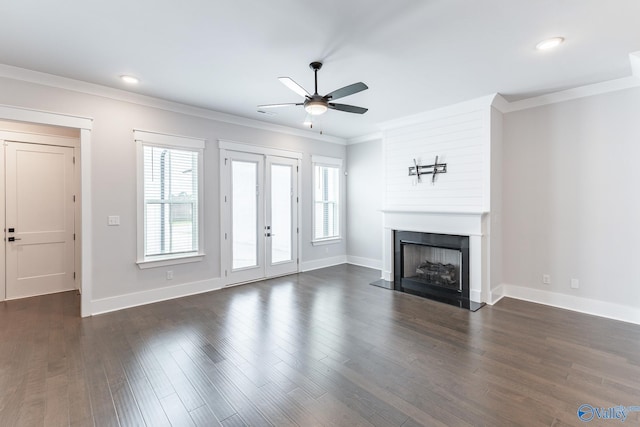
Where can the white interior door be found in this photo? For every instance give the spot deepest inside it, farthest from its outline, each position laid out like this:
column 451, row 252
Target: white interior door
column 281, row 212
column 39, row 203
column 260, row 216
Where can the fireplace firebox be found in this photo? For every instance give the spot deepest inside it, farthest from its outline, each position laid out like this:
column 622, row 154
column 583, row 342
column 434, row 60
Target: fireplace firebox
column 434, row 266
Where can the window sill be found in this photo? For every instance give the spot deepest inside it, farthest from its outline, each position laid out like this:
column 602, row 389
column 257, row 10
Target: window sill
column 331, row 241
column 166, row 261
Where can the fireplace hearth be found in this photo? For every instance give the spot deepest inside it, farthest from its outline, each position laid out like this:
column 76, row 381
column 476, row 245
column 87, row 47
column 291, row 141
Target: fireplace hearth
column 434, row 266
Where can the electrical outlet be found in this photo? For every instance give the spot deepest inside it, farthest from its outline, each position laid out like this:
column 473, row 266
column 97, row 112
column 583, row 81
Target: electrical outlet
column 575, row 284
column 546, row 279
column 169, row 274
column 113, row 220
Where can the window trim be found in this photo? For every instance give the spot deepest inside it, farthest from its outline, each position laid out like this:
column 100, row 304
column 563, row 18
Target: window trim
column 145, row 138
column 331, row 162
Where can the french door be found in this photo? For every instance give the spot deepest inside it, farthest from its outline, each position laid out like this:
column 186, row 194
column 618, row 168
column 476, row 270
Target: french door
column 259, row 216
column 39, row 203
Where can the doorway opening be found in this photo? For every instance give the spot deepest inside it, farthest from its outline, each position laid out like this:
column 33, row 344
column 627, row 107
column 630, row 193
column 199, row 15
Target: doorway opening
column 40, row 190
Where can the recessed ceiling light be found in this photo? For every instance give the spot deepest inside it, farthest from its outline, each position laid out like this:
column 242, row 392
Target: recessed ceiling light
column 129, row 79
column 550, row 43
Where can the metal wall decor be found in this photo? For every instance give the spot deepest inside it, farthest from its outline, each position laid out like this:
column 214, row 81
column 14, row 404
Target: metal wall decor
column 433, row 170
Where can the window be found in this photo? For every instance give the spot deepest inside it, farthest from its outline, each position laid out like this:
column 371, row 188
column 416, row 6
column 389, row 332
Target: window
column 170, row 199
column 326, row 199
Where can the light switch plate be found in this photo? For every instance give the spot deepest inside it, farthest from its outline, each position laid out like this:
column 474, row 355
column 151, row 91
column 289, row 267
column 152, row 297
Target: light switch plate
column 113, row 220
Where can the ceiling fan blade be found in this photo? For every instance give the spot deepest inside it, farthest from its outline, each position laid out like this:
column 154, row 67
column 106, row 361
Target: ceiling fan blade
column 291, row 104
column 346, row 91
column 348, row 108
column 293, row 86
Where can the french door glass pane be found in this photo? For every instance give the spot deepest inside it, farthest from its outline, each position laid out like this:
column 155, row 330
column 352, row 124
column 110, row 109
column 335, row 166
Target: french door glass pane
column 244, row 176
column 281, row 212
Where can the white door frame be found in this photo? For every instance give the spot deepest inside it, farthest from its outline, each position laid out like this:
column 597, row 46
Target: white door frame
column 84, row 124
column 253, row 149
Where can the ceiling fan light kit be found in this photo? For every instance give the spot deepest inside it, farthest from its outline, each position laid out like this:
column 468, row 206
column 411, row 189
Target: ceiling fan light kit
column 315, row 108
column 316, row 104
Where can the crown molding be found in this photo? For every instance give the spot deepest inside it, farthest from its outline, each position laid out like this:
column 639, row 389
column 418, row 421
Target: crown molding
column 365, row 138
column 571, row 94
column 37, row 77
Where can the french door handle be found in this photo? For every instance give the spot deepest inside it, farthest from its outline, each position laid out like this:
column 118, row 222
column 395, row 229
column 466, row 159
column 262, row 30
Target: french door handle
column 13, row 239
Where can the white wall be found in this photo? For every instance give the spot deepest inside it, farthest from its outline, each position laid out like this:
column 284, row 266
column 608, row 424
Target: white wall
column 364, row 202
column 571, row 203
column 113, row 172
column 461, row 139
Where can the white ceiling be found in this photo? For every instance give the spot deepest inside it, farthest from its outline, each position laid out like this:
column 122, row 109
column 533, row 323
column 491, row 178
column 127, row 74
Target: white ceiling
column 414, row 55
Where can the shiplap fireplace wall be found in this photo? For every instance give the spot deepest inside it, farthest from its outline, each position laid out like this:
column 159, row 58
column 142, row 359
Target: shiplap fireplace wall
column 465, row 201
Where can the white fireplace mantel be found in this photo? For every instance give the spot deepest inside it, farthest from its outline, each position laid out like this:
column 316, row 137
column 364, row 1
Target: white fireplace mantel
column 471, row 224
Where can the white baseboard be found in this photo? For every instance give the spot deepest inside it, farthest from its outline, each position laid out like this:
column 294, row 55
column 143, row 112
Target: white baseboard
column 365, row 262
column 495, row 295
column 135, row 299
column 609, row 310
column 322, row 263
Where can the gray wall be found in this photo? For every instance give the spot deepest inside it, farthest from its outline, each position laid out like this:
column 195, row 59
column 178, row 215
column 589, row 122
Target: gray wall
column 365, row 189
column 113, row 172
column 571, row 204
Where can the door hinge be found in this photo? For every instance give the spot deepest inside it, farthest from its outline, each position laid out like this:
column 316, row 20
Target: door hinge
column 225, row 199
column 225, row 273
column 297, row 260
column 74, row 160
column 74, row 236
column 298, row 230
column 74, row 198
column 225, row 236
column 225, row 161
column 297, row 168
column 74, row 274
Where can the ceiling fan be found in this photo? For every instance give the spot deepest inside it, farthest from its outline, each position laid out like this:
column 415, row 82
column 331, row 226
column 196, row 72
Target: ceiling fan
column 316, row 104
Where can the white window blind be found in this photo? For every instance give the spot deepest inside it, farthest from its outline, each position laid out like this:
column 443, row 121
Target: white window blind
column 170, row 201
column 326, row 181
column 170, row 186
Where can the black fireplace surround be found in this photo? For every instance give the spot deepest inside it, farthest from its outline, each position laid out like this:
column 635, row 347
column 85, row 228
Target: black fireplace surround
column 454, row 289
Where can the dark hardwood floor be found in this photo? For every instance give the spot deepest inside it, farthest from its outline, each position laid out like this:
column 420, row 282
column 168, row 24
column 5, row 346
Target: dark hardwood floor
column 319, row 348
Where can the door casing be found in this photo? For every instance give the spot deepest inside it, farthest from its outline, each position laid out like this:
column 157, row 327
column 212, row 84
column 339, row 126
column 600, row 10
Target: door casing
column 42, row 139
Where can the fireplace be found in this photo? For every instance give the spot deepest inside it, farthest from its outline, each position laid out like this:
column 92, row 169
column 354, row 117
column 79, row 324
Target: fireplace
column 434, row 266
